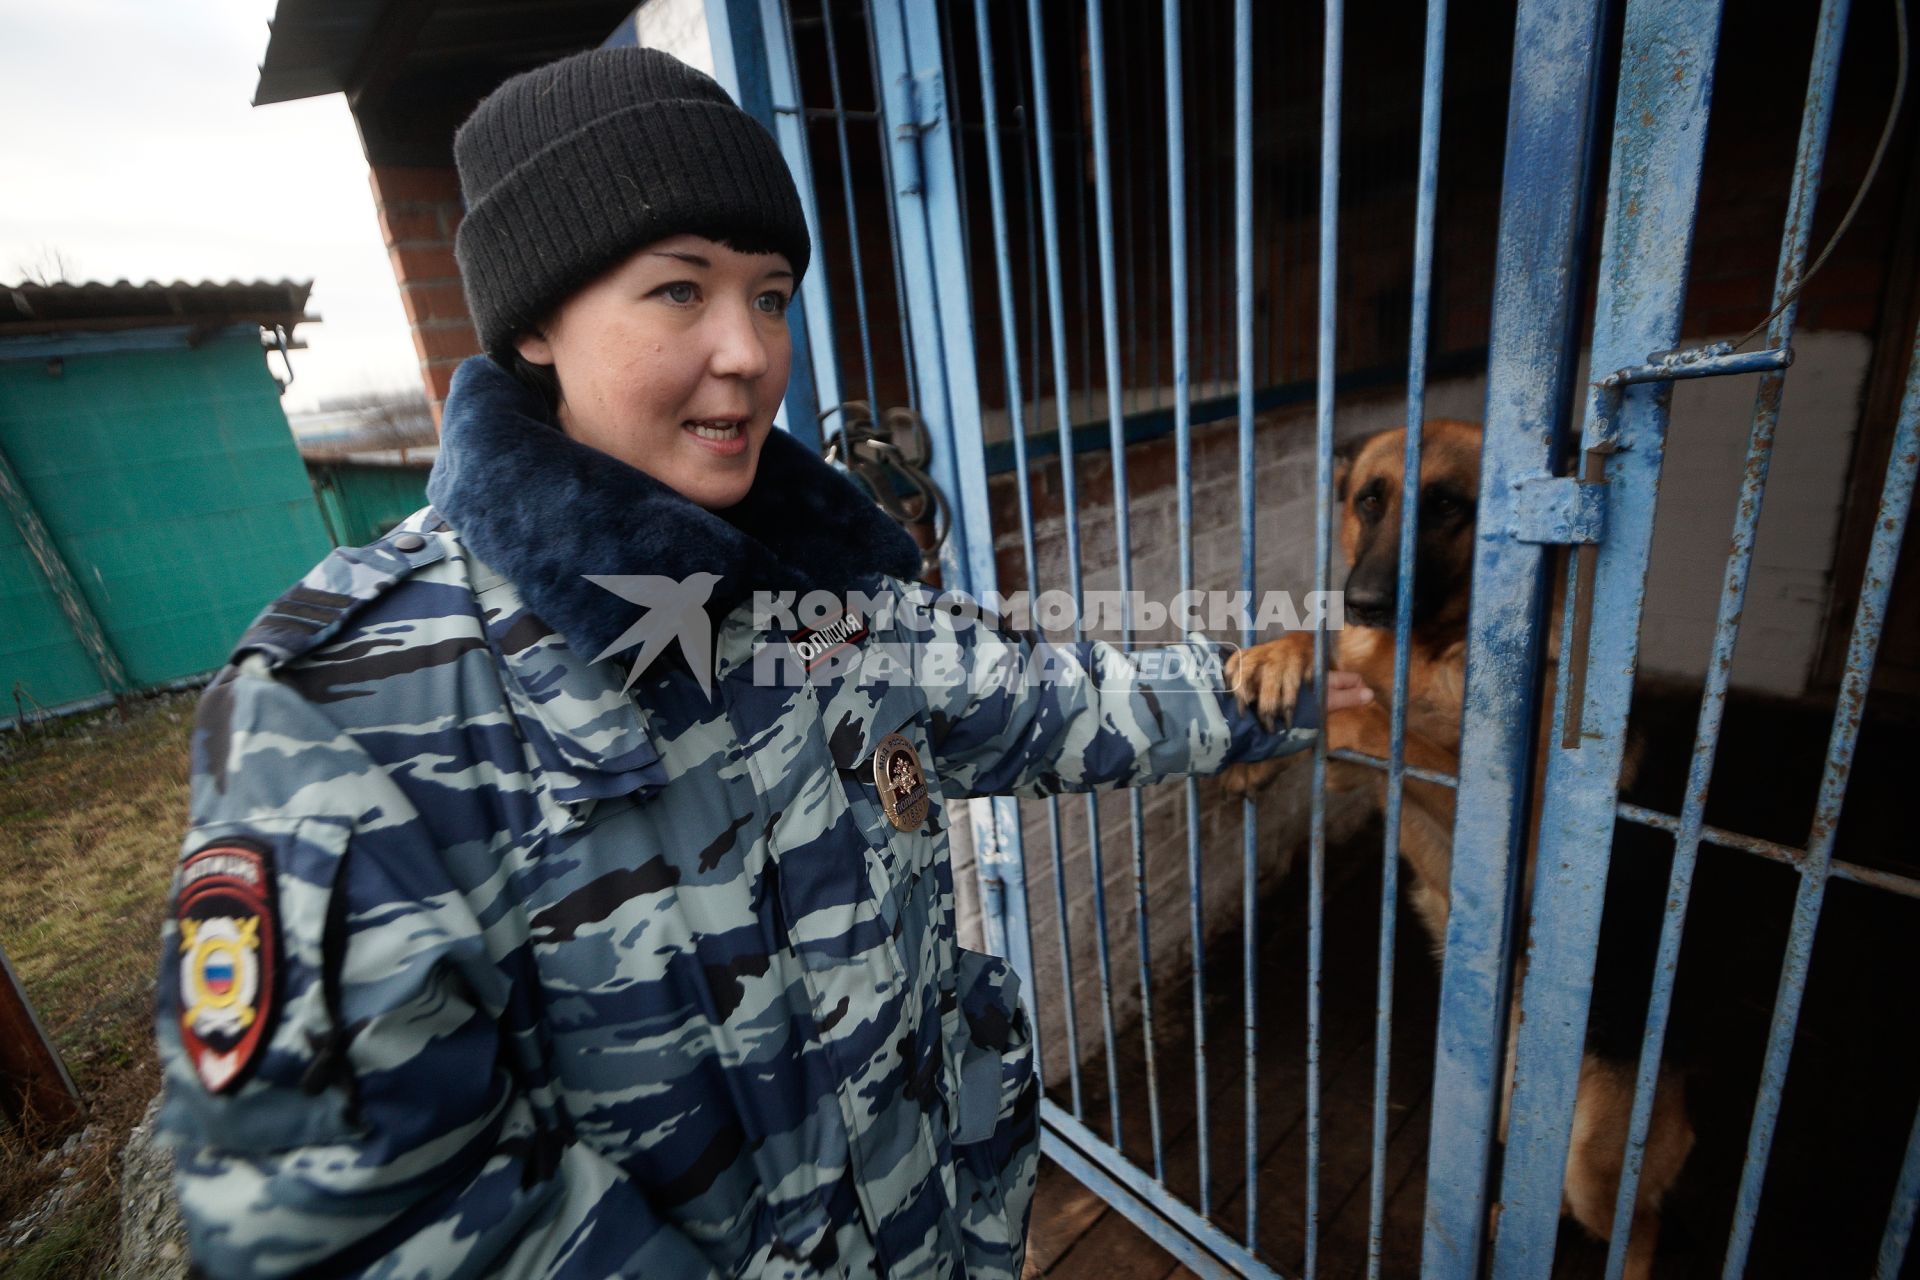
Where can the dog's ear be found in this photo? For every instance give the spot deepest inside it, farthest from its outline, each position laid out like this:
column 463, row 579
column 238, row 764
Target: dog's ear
column 1343, row 457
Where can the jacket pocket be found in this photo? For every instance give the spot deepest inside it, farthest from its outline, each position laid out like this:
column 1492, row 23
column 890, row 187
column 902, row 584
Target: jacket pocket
column 247, row 994
column 993, row 1049
column 992, row 1115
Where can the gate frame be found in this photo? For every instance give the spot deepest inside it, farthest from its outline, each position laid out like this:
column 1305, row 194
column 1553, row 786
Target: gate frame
column 1532, row 358
column 1527, row 505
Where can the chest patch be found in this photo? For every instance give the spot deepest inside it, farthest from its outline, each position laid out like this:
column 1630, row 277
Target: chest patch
column 814, row 645
column 229, row 960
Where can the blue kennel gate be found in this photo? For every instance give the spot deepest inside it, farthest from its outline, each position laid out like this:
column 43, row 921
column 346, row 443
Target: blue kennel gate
column 925, row 281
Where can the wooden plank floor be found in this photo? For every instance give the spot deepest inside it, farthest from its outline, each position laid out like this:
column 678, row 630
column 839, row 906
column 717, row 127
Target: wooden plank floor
column 1073, row 1234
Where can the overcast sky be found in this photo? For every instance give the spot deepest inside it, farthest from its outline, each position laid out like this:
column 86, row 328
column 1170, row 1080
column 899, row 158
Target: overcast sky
column 128, row 145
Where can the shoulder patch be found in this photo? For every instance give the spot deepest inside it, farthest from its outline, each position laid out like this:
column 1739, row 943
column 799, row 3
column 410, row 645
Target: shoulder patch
column 229, row 960
column 319, row 605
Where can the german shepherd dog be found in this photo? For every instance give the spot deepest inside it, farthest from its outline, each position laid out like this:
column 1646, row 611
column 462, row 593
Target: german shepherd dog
column 1267, row 678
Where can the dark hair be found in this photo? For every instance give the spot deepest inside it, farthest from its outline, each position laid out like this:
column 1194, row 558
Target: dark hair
column 543, row 378
column 537, row 377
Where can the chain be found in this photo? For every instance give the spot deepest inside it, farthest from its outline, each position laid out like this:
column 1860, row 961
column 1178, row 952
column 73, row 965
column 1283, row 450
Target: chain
column 890, row 456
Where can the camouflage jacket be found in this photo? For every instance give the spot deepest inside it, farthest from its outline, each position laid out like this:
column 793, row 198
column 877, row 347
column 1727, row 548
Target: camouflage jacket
column 482, row 962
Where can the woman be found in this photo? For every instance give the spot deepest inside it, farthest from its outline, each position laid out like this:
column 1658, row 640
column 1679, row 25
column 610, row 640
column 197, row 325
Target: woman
column 498, row 947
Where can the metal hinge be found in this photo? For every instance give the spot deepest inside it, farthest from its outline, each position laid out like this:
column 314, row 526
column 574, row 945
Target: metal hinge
column 1559, row 510
column 921, row 94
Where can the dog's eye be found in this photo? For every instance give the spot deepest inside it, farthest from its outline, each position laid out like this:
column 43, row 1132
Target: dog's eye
column 1369, row 503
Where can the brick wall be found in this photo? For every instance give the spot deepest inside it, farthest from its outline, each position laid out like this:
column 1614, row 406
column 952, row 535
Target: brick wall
column 419, row 211
column 1284, row 553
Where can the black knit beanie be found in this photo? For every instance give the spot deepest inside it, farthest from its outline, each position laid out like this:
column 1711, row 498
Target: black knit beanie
column 569, row 168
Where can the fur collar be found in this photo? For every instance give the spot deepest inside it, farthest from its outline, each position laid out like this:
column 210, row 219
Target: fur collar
column 544, row 510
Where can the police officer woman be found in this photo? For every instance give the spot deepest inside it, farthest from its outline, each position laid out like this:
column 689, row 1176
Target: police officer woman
column 531, row 921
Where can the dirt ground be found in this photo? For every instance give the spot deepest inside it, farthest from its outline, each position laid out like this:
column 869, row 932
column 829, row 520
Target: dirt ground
column 91, row 814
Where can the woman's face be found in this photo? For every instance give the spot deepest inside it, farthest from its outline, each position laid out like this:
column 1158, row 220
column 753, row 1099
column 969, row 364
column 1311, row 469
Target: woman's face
column 674, row 362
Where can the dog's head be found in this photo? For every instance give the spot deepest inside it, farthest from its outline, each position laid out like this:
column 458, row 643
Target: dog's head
column 1367, row 482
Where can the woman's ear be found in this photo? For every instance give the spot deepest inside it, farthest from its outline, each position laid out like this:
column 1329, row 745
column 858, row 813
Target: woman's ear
column 534, row 348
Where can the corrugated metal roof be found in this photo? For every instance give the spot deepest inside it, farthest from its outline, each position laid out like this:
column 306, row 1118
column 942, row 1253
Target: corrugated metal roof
column 342, row 46
column 96, row 305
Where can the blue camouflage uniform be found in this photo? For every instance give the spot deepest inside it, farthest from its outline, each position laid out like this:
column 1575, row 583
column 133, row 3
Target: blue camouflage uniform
column 553, row 976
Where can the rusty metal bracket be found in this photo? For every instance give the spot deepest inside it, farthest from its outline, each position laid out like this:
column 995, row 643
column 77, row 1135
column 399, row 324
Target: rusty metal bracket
column 1565, row 511
column 1559, row 510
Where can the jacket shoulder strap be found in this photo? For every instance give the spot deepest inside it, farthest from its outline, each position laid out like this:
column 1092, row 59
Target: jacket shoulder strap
column 316, row 608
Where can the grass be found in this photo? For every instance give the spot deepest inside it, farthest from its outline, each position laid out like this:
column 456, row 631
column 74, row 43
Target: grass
column 91, row 815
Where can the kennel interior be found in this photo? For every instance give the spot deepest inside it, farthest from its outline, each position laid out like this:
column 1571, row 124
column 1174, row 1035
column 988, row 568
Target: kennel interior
column 1137, row 268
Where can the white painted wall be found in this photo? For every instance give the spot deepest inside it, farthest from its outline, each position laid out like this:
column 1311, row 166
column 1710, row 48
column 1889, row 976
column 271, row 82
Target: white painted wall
column 679, row 27
column 1785, row 612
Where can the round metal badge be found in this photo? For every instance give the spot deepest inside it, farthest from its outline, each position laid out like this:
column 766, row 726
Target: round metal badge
column 903, row 787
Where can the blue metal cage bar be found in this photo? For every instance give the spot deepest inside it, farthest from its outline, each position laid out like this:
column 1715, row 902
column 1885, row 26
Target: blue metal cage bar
column 852, row 214
column 1666, row 76
column 1840, row 869
column 1766, row 417
column 1330, row 81
column 1009, row 327
column 1183, row 467
column 1123, row 546
column 1906, row 1200
column 1429, row 182
column 1009, row 337
column 1555, row 82
column 1245, row 373
column 1069, row 491
column 1862, row 645
column 923, row 184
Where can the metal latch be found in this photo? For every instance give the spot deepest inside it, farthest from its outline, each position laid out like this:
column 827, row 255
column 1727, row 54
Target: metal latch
column 1565, row 511
column 1710, row 361
column 1586, row 568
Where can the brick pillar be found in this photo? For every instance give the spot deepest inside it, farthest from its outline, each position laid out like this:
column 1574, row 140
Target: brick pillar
column 419, row 211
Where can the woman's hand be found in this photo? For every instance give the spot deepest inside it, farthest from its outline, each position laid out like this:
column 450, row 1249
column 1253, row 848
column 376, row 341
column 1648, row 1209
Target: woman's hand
column 1345, row 691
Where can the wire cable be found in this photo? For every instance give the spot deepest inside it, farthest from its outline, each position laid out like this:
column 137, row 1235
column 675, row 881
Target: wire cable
column 1866, row 183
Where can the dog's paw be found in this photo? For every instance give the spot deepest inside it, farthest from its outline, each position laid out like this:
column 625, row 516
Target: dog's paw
column 1267, row 678
column 1245, row 779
